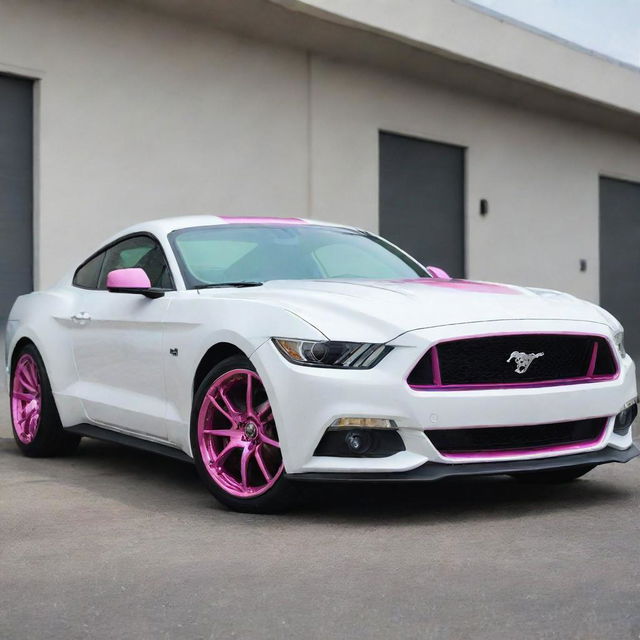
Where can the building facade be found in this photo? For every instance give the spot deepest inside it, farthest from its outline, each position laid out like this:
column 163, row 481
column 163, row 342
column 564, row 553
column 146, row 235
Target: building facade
column 492, row 151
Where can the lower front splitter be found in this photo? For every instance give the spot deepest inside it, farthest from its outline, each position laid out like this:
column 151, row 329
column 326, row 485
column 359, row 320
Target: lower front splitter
column 437, row 471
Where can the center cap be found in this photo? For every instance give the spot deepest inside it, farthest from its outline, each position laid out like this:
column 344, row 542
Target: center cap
column 250, row 430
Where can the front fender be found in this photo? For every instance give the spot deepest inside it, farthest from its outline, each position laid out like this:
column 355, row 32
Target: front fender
column 194, row 326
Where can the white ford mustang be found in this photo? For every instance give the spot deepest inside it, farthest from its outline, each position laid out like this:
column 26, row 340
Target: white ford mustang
column 272, row 351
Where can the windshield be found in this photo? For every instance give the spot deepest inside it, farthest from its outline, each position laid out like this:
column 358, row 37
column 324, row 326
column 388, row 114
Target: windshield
column 257, row 253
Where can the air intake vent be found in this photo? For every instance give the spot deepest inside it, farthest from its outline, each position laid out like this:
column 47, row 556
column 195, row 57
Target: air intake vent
column 522, row 440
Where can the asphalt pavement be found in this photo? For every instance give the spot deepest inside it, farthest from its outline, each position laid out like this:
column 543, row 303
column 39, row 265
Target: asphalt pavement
column 114, row 543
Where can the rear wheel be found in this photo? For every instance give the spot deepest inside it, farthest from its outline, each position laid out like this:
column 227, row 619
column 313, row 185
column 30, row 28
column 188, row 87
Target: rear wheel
column 37, row 429
column 558, row 476
column 235, row 442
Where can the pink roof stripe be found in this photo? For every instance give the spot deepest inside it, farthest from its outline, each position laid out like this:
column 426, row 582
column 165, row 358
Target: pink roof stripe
column 261, row 220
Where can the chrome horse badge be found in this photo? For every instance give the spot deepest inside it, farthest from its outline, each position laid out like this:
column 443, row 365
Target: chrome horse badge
column 523, row 360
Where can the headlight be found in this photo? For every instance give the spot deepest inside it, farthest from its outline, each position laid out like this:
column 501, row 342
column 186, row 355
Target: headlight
column 618, row 338
column 341, row 355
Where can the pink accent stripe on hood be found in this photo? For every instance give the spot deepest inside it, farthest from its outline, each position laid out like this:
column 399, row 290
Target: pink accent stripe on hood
column 466, row 285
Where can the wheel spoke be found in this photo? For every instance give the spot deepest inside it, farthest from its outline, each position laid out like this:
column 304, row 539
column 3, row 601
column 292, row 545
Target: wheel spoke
column 25, row 382
column 225, row 433
column 25, row 397
column 228, row 402
column 33, row 421
column 28, row 411
column 262, row 465
column 244, row 466
column 263, row 409
column 267, row 440
column 225, row 413
column 31, row 374
column 249, row 398
column 220, row 458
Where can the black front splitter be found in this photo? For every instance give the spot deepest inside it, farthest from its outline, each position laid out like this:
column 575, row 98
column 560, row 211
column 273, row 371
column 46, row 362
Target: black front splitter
column 437, row 471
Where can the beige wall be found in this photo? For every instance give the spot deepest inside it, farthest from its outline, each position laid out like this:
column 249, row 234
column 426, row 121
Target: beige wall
column 143, row 115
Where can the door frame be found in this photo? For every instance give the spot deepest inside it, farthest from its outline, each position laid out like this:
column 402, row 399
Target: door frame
column 36, row 76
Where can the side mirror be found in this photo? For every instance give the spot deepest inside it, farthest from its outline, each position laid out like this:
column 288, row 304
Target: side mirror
column 437, row 272
column 132, row 281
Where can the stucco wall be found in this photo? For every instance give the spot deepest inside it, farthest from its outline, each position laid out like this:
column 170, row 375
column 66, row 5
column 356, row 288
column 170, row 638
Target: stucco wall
column 144, row 115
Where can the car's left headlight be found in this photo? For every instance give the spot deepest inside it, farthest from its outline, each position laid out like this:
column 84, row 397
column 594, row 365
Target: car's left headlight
column 329, row 353
column 618, row 339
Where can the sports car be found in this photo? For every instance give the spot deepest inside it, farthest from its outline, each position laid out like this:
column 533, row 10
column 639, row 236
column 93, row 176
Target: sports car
column 274, row 351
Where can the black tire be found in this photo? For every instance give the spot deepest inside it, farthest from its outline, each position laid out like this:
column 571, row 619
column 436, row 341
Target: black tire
column 50, row 438
column 280, row 497
column 558, row 476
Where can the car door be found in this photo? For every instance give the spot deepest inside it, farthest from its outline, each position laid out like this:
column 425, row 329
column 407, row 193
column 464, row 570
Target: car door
column 117, row 341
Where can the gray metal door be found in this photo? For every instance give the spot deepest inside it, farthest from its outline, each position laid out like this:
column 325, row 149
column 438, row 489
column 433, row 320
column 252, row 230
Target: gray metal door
column 422, row 200
column 620, row 256
column 16, row 191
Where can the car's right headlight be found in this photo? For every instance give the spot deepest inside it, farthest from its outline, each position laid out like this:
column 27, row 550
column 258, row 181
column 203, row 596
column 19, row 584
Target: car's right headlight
column 330, row 353
column 618, row 339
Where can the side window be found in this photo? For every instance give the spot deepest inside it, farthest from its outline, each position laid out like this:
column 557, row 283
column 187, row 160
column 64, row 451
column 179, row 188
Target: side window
column 87, row 275
column 142, row 252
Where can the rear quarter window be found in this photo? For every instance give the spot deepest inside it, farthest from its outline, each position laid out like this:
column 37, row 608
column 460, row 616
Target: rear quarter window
column 87, row 275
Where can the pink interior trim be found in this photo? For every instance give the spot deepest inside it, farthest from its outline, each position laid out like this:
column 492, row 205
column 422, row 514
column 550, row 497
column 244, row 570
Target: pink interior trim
column 437, row 272
column 261, row 220
column 586, row 379
column 466, row 285
column 562, row 448
column 134, row 278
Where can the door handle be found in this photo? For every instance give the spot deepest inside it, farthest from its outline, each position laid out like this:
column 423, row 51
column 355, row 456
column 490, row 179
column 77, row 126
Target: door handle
column 81, row 317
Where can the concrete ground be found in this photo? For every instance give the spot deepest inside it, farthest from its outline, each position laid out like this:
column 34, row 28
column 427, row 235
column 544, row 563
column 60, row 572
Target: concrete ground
column 113, row 543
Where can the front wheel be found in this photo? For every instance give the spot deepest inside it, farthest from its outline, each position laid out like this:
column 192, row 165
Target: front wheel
column 558, row 476
column 235, row 442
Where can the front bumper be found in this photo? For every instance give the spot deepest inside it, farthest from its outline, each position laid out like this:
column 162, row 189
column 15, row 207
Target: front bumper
column 306, row 400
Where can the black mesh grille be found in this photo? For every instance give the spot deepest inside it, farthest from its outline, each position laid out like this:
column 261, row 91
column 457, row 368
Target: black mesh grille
column 487, row 439
column 494, row 360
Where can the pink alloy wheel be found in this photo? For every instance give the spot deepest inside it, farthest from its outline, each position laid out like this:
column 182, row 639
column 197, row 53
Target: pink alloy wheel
column 237, row 435
column 26, row 399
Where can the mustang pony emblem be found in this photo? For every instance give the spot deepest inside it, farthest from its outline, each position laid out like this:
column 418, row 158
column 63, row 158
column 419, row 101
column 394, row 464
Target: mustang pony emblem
column 523, row 360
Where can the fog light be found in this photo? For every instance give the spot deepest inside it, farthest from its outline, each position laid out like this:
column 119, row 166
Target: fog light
column 358, row 441
column 625, row 419
column 363, row 423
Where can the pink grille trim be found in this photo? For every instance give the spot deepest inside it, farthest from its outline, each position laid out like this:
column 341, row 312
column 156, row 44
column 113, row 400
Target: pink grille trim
column 587, row 379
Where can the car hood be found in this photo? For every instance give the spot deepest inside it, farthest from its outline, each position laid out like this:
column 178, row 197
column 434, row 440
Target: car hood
column 380, row 310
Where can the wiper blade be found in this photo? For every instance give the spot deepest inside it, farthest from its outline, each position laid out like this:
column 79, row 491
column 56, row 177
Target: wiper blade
column 240, row 283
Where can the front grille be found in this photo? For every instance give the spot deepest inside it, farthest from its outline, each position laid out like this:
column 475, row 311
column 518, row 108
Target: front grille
column 509, row 440
column 530, row 359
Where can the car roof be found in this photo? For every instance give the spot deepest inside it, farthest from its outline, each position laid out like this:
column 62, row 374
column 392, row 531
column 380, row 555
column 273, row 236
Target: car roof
column 163, row 226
